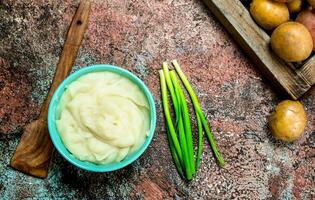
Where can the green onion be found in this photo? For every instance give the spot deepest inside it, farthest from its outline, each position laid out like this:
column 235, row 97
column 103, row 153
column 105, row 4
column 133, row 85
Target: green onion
column 199, row 112
column 182, row 126
column 186, row 120
column 199, row 150
column 199, row 123
column 183, row 144
column 177, row 103
column 211, row 140
column 180, row 135
column 168, row 116
column 171, row 89
column 174, row 154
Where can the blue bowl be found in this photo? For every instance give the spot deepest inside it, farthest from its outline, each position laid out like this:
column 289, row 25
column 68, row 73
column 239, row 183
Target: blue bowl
column 53, row 116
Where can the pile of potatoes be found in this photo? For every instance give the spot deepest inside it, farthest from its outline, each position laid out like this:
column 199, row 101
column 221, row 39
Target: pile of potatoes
column 292, row 23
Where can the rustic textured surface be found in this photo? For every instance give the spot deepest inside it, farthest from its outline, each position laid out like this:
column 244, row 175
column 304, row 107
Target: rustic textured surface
column 139, row 35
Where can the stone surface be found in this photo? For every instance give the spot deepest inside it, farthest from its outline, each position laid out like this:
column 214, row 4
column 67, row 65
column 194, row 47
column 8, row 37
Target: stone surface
column 139, row 35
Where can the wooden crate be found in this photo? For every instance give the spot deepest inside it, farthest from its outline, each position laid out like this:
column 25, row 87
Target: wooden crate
column 292, row 78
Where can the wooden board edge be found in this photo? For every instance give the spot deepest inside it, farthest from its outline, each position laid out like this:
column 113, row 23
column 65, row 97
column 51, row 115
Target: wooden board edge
column 255, row 42
column 308, row 71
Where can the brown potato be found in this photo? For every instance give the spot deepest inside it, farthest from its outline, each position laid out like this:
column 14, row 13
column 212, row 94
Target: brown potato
column 295, row 6
column 283, row 1
column 292, row 42
column 312, row 3
column 269, row 14
column 288, row 121
column 307, row 18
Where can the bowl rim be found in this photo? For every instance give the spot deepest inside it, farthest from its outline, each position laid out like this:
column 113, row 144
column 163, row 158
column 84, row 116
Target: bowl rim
column 54, row 134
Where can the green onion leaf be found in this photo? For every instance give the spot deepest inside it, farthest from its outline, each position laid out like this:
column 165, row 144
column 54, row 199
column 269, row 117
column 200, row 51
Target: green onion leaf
column 186, row 120
column 171, row 89
column 181, row 130
column 174, row 154
column 168, row 116
column 199, row 150
column 199, row 112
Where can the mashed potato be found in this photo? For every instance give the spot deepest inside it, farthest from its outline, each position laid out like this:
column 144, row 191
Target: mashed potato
column 103, row 117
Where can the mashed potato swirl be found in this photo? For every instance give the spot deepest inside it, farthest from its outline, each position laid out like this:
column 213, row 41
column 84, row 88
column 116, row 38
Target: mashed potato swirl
column 103, row 117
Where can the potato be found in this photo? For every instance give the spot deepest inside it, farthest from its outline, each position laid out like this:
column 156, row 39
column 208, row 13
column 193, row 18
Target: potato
column 307, row 18
column 312, row 3
column 295, row 6
column 292, row 42
column 283, row 1
column 288, row 121
column 269, row 14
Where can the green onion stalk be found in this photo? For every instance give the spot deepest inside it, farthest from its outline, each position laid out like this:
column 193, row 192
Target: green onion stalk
column 199, row 112
column 179, row 134
column 168, row 118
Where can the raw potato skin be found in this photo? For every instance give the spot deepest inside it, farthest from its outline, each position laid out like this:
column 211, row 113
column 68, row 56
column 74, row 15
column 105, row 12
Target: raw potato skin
column 283, row 1
column 307, row 18
column 312, row 3
column 288, row 121
column 269, row 14
column 295, row 6
column 292, row 42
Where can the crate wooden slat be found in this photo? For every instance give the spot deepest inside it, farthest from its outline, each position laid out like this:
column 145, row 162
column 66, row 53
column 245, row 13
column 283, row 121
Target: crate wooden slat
column 308, row 70
column 255, row 42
